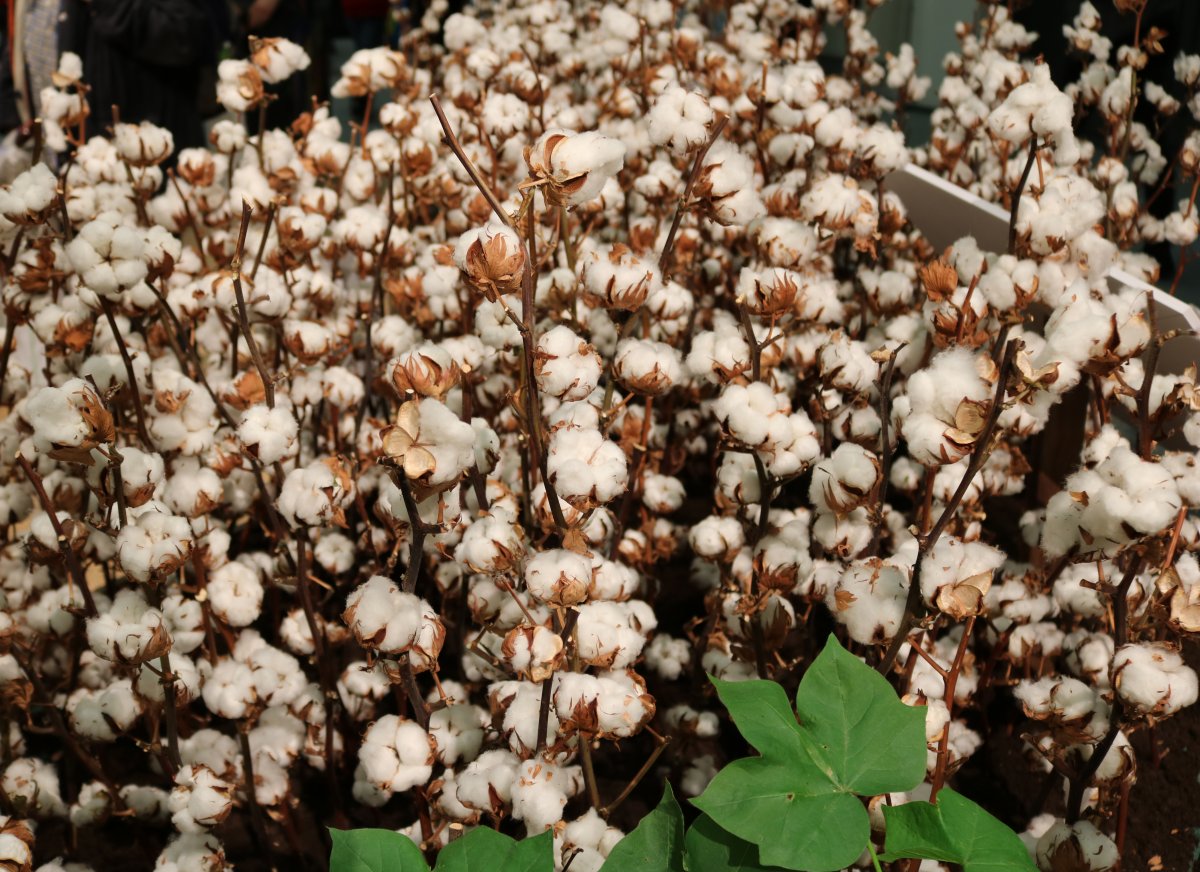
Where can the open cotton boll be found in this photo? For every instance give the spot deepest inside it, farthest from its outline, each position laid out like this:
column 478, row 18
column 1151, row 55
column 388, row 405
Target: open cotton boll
column 558, row 577
column 458, row 732
column 616, row 278
column 717, row 538
column 278, row 678
column 228, row 690
column 1153, row 680
column 316, row 494
column 1057, row 699
column 647, row 367
column 486, row 783
column 533, row 652
column 186, row 684
column 396, row 755
column 386, row 619
column 611, row 635
column 956, row 575
column 845, row 480
column 270, row 434
column 130, row 631
column 521, row 702
column 868, row 599
column 1124, row 496
column 105, row 714
column 1068, row 207
column 70, row 415
column 679, row 119
column 142, row 144
column 540, row 792
column 434, row 445
column 668, row 656
column 574, row 166
column 586, row 468
column 200, row 800
column 235, row 594
column 943, row 407
column 32, row 784
column 107, row 255
column 1079, row 846
column 278, row 58
column 719, row 355
column 32, row 193
column 726, row 186
column 586, row 842
column 153, row 545
column 492, row 543
column 566, row 366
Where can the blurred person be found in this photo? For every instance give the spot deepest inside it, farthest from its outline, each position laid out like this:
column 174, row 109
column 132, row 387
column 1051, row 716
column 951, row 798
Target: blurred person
column 288, row 19
column 145, row 57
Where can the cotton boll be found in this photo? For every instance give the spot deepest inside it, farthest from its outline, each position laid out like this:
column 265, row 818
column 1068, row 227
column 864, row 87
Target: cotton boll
column 574, row 166
column 229, row 690
column 717, row 538
column 153, row 545
column 647, row 367
column 435, row 447
column 947, row 393
column 679, row 119
column 956, row 575
column 540, row 792
column 458, row 733
column 1122, row 497
column 316, row 494
column 33, row 785
column 492, row 543
column 845, row 480
column 586, row 468
column 235, row 593
column 388, row 620
column 130, row 631
column 668, row 656
column 558, row 577
column 486, row 783
column 616, row 278
column 1153, row 680
column 396, row 755
column 868, row 600
column 186, row 683
column 270, row 434
column 70, row 415
column 106, row 253
column 611, row 635
column 567, row 367
column 1076, row 846
column 533, row 651
column 200, row 799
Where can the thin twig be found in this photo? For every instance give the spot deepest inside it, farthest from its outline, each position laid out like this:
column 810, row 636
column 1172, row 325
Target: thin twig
column 664, row 259
column 928, row 541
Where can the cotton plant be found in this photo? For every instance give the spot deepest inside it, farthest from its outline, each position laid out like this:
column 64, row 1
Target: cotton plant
column 408, row 463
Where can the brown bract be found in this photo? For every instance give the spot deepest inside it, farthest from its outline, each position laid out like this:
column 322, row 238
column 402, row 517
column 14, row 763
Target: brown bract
column 939, row 279
column 557, row 187
column 494, row 267
column 422, row 374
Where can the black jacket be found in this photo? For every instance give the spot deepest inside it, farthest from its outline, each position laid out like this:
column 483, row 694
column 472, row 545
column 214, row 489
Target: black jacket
column 146, row 57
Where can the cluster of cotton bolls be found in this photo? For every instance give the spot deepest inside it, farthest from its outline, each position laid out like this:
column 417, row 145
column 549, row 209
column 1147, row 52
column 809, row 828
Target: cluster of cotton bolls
column 389, row 473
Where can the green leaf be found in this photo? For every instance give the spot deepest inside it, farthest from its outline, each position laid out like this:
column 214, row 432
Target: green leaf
column 485, row 850
column 712, row 849
column 655, row 845
column 873, row 742
column 954, row 830
column 370, row 850
column 797, row 801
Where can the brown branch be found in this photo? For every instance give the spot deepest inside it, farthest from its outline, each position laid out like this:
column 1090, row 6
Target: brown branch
column 928, row 541
column 64, row 546
column 664, row 259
